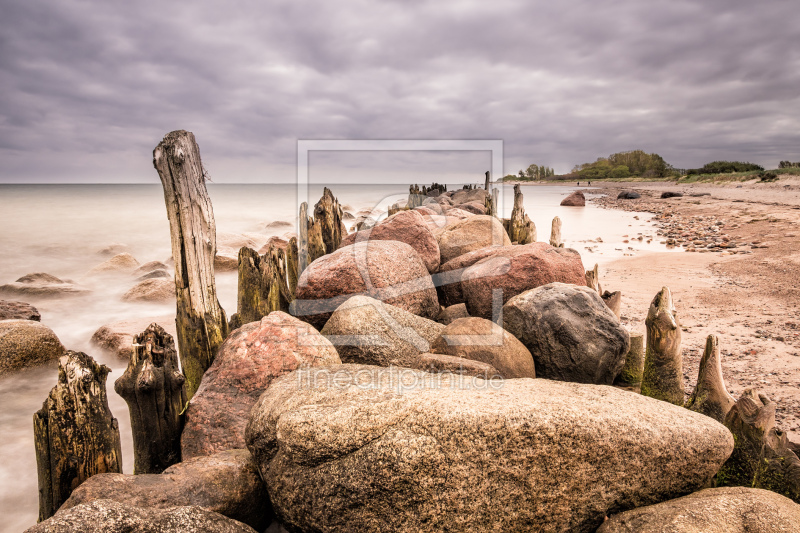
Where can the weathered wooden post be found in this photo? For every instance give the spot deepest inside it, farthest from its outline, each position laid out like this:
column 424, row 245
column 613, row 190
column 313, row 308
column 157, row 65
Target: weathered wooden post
column 519, row 227
column 328, row 215
column 761, row 455
column 555, row 233
column 486, row 184
column 76, row 435
column 593, row 280
column 310, row 244
column 710, row 395
column 201, row 322
column 663, row 363
column 631, row 376
column 265, row 282
column 153, row 387
column 613, row 301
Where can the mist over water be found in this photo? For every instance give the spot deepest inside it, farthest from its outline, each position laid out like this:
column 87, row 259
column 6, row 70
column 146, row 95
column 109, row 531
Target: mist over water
column 61, row 230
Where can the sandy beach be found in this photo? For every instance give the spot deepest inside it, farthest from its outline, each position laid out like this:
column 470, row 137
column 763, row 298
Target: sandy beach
column 749, row 295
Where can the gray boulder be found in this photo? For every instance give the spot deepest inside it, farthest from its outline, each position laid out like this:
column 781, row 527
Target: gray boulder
column 10, row 310
column 478, row 339
column 570, row 331
column 227, row 483
column 107, row 516
column 359, row 448
column 721, row 510
column 368, row 331
column 117, row 337
column 42, row 285
column 151, row 290
column 25, row 344
column 628, row 195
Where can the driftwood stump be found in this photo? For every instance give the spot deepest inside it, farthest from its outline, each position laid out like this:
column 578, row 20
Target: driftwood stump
column 486, row 183
column 265, row 282
column 663, row 363
column 153, row 387
column 593, row 279
column 613, row 301
column 76, row 435
column 555, row 233
column 310, row 244
column 328, row 214
column 201, row 321
column 761, row 456
column 519, row 227
column 710, row 395
column 630, row 378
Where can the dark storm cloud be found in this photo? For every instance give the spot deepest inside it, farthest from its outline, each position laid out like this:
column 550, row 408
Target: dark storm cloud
column 90, row 87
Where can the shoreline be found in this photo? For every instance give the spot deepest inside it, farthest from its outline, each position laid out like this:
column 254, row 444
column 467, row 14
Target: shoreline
column 748, row 296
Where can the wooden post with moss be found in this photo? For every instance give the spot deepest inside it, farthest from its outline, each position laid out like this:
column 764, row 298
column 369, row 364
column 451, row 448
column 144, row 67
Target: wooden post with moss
column 663, row 363
column 519, row 227
column 761, row 455
column 153, row 388
column 710, row 395
column 631, row 376
column 201, row 322
column 75, row 434
column 266, row 283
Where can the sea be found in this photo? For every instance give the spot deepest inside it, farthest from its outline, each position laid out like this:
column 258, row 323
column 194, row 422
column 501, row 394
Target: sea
column 64, row 230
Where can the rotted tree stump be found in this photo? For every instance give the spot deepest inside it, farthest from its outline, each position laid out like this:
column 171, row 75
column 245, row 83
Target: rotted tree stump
column 201, row 322
column 328, row 214
column 710, row 395
column 76, row 435
column 630, row 378
column 593, row 279
column 153, row 387
column 266, row 283
column 311, row 245
column 762, row 456
column 555, row 233
column 519, row 227
column 613, row 301
column 663, row 364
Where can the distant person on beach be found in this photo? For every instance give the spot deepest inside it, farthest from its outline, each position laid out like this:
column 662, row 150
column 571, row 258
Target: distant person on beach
column 579, row 184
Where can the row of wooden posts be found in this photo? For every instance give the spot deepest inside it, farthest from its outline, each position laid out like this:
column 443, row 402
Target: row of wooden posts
column 76, row 435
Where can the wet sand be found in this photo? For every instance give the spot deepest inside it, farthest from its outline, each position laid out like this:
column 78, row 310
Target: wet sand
column 748, row 295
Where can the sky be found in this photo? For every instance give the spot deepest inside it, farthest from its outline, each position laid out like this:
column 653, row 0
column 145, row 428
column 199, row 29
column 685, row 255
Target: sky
column 89, row 88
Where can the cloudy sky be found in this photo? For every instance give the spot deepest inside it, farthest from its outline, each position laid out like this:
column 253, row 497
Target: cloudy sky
column 90, row 87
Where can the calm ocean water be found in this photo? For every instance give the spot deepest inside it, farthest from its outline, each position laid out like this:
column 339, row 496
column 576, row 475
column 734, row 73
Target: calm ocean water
column 59, row 229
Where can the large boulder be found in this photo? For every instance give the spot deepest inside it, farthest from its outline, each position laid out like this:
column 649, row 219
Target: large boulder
column 42, row 285
column 123, row 263
column 107, row 516
column 227, row 483
column 368, row 331
column 390, row 271
column 576, row 199
column 25, row 344
column 628, row 195
column 245, row 365
column 408, row 227
column 514, row 270
column 475, row 208
column 570, row 331
column 720, row 510
column 482, row 340
column 10, row 310
column 464, row 196
column 151, row 290
column 470, row 234
column 359, row 448
column 117, row 337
